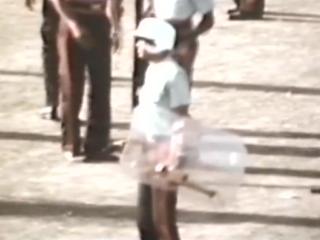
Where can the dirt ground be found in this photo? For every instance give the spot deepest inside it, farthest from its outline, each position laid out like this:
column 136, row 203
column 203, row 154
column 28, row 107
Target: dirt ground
column 259, row 79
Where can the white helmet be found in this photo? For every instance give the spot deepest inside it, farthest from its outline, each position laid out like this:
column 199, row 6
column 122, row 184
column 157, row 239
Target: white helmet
column 159, row 31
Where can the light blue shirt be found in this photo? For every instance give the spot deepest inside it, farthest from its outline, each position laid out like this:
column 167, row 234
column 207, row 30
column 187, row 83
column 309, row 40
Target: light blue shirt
column 181, row 9
column 166, row 87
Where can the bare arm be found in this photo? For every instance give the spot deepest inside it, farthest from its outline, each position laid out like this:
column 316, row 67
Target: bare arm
column 60, row 7
column 148, row 9
column 66, row 16
column 205, row 25
column 114, row 11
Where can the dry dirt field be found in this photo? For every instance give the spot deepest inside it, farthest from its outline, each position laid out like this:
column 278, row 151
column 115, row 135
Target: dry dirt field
column 260, row 79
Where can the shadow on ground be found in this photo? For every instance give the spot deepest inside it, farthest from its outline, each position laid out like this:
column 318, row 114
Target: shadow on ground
column 203, row 84
column 77, row 210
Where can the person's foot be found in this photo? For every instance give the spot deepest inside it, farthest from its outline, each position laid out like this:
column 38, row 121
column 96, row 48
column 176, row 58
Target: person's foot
column 102, row 155
column 118, row 145
column 242, row 15
column 232, row 10
column 315, row 190
column 70, row 157
column 49, row 113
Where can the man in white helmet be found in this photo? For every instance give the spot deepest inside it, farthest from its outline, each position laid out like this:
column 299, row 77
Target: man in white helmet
column 163, row 99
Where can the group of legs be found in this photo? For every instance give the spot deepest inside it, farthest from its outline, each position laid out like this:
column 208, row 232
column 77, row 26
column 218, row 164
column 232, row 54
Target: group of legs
column 70, row 125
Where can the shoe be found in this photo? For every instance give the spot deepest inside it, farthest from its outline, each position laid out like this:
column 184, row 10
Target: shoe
column 241, row 15
column 117, row 146
column 315, row 190
column 68, row 155
column 232, row 10
column 49, row 113
column 103, row 155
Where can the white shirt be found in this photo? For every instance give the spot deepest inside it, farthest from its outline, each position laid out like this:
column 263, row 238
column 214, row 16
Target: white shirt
column 181, row 9
column 166, row 87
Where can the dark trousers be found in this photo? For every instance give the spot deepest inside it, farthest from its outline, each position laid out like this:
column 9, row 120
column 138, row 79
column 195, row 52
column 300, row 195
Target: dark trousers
column 74, row 57
column 157, row 214
column 49, row 30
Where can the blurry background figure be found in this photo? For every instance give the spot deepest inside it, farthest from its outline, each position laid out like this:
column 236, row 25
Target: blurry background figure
column 248, row 9
column 49, row 29
column 180, row 14
column 84, row 40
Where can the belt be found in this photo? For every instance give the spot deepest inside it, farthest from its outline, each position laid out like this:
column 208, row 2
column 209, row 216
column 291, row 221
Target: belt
column 85, row 7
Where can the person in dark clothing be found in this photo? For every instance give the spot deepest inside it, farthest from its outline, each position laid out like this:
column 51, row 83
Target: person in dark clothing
column 49, row 29
column 84, row 41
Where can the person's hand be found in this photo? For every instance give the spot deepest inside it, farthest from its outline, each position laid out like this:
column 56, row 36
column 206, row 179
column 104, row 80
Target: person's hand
column 74, row 28
column 81, row 35
column 30, row 4
column 141, row 49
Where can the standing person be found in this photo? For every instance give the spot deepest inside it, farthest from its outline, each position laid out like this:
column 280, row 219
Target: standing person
column 49, row 29
column 164, row 98
column 84, row 41
column 248, row 9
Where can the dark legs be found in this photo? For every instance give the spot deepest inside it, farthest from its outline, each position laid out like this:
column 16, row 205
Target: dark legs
column 49, row 31
column 157, row 214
